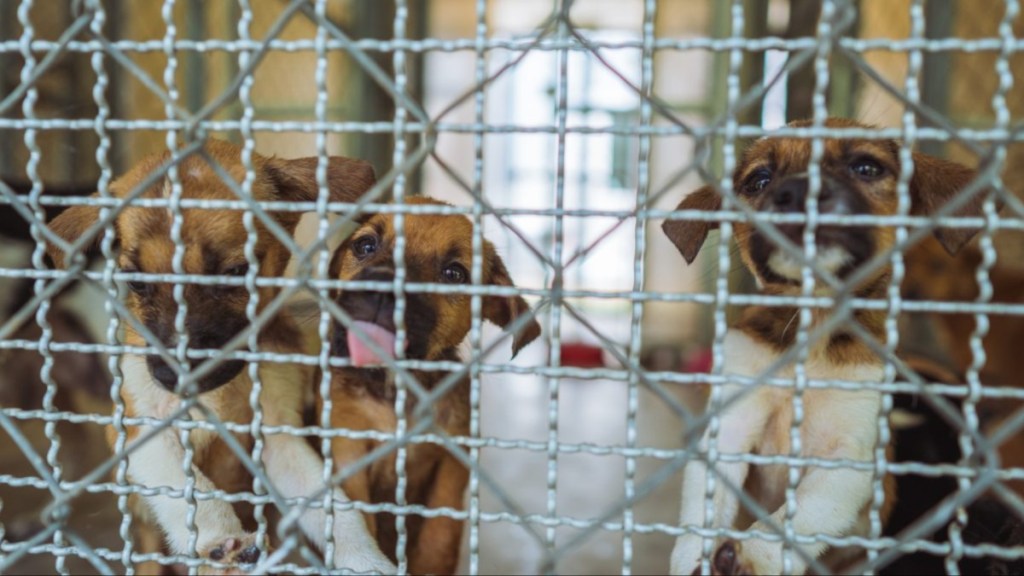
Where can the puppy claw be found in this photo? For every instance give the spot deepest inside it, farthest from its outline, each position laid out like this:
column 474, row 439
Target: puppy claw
column 727, row 562
column 234, row 550
column 249, row 555
column 227, row 547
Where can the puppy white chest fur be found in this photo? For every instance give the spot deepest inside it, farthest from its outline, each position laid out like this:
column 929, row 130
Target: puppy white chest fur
column 151, row 399
column 823, row 410
column 744, row 356
column 758, row 419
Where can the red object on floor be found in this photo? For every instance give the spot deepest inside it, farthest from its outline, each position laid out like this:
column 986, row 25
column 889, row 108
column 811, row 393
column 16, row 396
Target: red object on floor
column 581, row 355
column 698, row 361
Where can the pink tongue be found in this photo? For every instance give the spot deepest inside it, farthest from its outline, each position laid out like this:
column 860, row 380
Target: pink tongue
column 360, row 351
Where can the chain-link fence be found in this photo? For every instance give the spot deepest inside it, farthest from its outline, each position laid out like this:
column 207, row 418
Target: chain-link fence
column 156, row 159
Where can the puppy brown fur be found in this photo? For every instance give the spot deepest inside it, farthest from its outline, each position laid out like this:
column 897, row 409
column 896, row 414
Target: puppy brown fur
column 81, row 387
column 438, row 249
column 858, row 177
column 934, row 275
column 214, row 243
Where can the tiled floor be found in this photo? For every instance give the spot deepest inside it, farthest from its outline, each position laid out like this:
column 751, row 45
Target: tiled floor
column 93, row 516
column 588, row 486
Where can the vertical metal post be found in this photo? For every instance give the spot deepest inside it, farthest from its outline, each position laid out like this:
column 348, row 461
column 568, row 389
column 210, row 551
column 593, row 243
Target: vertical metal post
column 843, row 82
column 7, row 83
column 558, row 274
column 938, row 23
column 477, row 277
column 721, row 27
column 195, row 61
column 370, row 102
column 803, row 22
column 755, row 25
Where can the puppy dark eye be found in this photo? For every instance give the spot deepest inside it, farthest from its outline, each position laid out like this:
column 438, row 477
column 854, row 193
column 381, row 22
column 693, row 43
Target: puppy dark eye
column 455, row 274
column 364, row 247
column 758, row 181
column 867, row 168
column 137, row 286
column 240, row 270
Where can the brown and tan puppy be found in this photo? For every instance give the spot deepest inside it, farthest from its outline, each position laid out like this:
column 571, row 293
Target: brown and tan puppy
column 214, row 242
column 438, row 249
column 858, row 177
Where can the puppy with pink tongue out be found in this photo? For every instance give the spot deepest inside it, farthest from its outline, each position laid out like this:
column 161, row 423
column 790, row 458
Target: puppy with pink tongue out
column 438, row 251
column 359, row 349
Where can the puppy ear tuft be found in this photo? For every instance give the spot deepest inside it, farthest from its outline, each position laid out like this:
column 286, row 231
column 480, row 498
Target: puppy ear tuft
column 689, row 235
column 347, row 178
column 936, row 182
column 503, row 310
column 70, row 225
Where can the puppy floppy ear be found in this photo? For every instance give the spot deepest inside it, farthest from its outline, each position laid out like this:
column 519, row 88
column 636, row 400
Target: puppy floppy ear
column 70, row 225
column 347, row 178
column 689, row 235
column 935, row 182
column 503, row 310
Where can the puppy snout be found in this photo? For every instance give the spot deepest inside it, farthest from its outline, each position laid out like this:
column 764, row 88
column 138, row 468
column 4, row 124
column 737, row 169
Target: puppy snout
column 374, row 306
column 789, row 195
column 204, row 338
column 162, row 373
column 376, row 274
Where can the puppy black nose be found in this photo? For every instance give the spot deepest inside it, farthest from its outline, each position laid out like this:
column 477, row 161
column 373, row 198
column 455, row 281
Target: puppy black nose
column 371, row 305
column 375, row 307
column 163, row 373
column 789, row 195
column 376, row 274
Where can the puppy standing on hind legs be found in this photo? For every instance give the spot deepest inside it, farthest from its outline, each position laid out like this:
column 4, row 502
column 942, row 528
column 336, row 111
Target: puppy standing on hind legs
column 438, row 249
column 214, row 244
column 857, row 177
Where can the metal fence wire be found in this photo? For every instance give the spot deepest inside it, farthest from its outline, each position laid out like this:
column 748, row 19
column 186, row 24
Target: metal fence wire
column 565, row 142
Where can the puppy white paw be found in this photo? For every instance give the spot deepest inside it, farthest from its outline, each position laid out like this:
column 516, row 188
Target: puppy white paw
column 726, row 560
column 365, row 560
column 729, row 560
column 234, row 550
column 685, row 555
column 750, row 558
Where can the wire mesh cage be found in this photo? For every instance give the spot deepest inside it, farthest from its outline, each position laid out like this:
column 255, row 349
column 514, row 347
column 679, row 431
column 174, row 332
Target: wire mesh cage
column 216, row 214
